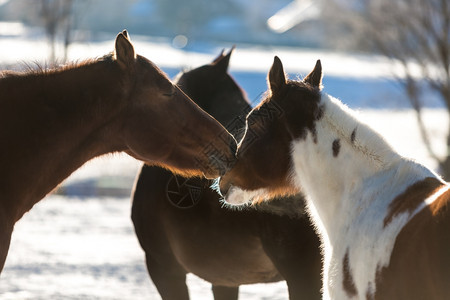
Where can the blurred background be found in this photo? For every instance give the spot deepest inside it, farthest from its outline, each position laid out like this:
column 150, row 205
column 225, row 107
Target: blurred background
column 188, row 24
column 390, row 60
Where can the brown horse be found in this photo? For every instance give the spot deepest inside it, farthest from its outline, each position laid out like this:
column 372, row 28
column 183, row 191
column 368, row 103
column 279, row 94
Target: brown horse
column 53, row 121
column 183, row 228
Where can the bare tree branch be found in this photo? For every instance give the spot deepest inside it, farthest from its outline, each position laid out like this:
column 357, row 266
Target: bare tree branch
column 416, row 35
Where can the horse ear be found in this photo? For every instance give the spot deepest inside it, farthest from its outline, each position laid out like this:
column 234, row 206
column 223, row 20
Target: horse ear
column 222, row 62
column 124, row 51
column 276, row 77
column 315, row 77
column 125, row 33
column 219, row 57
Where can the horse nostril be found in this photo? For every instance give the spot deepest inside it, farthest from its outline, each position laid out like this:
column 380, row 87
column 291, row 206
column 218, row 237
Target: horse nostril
column 223, row 188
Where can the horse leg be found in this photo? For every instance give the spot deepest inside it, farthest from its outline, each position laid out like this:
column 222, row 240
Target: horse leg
column 170, row 282
column 225, row 292
column 5, row 239
column 294, row 249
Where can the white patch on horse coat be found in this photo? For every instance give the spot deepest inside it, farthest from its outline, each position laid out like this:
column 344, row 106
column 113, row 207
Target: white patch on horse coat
column 237, row 196
column 349, row 195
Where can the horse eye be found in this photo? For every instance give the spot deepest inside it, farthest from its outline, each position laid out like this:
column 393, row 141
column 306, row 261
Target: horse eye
column 170, row 93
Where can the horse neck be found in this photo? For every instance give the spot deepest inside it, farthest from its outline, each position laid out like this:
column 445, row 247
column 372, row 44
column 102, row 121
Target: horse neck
column 343, row 165
column 62, row 124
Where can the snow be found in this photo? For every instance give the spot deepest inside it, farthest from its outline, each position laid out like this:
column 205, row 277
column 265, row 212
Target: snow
column 84, row 246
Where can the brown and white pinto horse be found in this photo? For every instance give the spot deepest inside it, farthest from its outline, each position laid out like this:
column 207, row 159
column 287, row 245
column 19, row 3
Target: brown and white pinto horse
column 53, row 121
column 384, row 220
column 183, row 228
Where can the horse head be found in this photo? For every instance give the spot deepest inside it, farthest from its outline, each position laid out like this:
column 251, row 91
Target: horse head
column 215, row 91
column 263, row 168
column 163, row 126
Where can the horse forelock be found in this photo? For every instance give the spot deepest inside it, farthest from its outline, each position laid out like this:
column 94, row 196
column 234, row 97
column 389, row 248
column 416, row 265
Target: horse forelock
column 298, row 86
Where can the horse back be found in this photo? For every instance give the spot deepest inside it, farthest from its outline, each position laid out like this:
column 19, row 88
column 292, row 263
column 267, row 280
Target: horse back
column 419, row 267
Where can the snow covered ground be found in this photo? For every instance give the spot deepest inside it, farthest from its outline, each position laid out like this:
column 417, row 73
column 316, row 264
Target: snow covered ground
column 84, row 247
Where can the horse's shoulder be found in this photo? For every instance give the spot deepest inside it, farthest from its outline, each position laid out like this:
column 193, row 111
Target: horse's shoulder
column 412, row 197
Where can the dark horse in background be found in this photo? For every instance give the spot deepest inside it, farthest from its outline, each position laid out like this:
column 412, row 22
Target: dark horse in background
column 53, row 121
column 183, row 229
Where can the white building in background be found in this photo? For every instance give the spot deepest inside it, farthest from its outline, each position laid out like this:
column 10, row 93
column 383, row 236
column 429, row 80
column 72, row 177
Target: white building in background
column 293, row 14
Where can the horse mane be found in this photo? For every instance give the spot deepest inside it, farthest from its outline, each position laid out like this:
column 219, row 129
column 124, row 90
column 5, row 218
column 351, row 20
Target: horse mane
column 48, row 82
column 348, row 127
column 36, row 68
